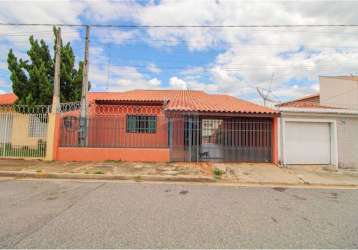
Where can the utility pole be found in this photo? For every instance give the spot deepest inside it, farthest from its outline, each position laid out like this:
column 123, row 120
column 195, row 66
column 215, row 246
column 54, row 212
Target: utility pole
column 53, row 116
column 56, row 85
column 83, row 114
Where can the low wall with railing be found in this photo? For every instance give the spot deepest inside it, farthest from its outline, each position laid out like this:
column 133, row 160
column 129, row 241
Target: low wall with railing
column 119, row 154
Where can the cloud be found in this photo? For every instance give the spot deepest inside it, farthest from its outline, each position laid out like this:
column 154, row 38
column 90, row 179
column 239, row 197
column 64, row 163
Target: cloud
column 154, row 82
column 270, row 57
column 286, row 60
column 118, row 78
column 177, row 83
column 113, row 36
column 153, row 68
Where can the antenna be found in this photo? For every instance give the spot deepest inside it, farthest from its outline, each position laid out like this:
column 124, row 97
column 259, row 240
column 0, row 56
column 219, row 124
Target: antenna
column 265, row 93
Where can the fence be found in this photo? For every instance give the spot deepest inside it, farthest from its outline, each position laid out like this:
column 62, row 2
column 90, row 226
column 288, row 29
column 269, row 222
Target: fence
column 229, row 139
column 115, row 131
column 23, row 131
column 189, row 138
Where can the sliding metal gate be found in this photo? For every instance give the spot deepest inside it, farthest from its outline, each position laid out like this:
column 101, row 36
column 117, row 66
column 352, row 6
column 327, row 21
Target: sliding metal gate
column 239, row 139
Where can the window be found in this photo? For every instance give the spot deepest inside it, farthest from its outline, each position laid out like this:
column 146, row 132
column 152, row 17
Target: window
column 141, row 124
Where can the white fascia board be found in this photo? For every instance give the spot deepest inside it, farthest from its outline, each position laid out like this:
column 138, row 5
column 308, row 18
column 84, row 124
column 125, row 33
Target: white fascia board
column 319, row 110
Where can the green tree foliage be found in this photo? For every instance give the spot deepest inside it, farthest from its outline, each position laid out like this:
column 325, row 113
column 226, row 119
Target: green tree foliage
column 32, row 79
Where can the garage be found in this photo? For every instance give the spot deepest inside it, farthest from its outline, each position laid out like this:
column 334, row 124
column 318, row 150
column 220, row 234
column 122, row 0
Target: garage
column 307, row 142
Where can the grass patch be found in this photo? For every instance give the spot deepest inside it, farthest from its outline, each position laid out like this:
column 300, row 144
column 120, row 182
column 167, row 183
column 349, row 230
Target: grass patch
column 99, row 172
column 113, row 161
column 138, row 178
column 218, row 173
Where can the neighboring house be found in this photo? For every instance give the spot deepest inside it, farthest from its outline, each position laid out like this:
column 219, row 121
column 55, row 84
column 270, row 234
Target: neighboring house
column 21, row 134
column 169, row 125
column 322, row 128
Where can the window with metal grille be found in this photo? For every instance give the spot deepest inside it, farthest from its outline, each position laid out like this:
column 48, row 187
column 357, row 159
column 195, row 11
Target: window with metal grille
column 141, row 124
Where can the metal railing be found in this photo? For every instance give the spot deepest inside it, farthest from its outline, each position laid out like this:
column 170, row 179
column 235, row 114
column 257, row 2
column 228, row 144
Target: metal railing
column 23, row 135
column 189, row 138
column 115, row 131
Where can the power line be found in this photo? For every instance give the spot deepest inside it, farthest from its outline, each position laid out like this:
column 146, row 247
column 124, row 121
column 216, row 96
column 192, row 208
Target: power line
column 183, row 26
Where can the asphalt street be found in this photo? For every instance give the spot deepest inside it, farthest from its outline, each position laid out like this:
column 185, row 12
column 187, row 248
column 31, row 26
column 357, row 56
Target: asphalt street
column 78, row 214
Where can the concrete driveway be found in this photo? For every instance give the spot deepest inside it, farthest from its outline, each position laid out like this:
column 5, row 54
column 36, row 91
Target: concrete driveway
column 74, row 214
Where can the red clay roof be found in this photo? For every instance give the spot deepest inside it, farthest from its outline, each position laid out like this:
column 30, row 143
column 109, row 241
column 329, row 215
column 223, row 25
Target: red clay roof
column 7, row 99
column 310, row 101
column 187, row 100
column 178, row 100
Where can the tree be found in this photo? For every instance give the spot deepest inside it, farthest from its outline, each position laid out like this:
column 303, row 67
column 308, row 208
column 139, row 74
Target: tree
column 32, row 79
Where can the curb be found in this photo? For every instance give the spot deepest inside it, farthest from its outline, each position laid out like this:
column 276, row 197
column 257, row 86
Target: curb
column 164, row 179
column 104, row 177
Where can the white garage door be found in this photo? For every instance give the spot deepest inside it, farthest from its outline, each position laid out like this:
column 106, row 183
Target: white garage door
column 307, row 143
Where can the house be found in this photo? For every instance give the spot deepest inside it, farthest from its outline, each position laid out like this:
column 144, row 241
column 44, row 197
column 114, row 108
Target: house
column 170, row 125
column 322, row 128
column 166, row 125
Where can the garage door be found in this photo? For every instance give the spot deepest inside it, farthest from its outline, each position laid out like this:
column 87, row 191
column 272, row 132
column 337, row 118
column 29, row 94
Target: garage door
column 307, row 143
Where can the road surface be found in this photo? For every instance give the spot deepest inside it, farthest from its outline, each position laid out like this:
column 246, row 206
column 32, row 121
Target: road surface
column 78, row 214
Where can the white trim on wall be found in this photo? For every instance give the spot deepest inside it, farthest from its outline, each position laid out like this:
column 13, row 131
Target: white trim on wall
column 333, row 135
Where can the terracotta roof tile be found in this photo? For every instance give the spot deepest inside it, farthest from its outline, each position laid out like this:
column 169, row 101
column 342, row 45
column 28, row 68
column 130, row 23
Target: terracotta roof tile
column 186, row 100
column 7, row 99
column 178, row 100
column 310, row 101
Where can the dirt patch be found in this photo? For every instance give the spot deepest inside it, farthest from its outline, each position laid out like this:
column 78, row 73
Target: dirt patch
column 279, row 189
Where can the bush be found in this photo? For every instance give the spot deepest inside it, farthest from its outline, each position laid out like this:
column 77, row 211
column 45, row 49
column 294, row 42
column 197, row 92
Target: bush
column 41, row 145
column 218, row 172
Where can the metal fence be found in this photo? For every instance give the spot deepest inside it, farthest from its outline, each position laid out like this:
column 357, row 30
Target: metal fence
column 221, row 139
column 189, row 138
column 23, row 131
column 115, row 131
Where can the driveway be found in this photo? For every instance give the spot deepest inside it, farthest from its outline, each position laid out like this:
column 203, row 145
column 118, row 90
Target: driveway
column 74, row 214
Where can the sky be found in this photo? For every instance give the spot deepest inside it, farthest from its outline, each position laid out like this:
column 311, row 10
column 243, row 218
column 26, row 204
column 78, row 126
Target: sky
column 286, row 62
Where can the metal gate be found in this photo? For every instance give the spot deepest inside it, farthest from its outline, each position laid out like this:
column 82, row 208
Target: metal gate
column 23, row 131
column 236, row 139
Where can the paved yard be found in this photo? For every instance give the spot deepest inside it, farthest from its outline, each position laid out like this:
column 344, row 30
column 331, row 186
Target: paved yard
column 73, row 214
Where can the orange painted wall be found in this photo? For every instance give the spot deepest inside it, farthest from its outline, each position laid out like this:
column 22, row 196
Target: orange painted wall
column 103, row 154
column 108, row 128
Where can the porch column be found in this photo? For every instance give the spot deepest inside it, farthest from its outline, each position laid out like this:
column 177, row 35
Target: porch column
column 53, row 136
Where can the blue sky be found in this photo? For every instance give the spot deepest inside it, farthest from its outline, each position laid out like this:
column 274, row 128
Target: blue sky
column 228, row 60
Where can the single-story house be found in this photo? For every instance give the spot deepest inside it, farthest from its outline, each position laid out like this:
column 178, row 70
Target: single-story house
column 169, row 125
column 322, row 128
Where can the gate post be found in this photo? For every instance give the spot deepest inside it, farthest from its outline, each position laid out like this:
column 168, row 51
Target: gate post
column 274, row 143
column 53, row 133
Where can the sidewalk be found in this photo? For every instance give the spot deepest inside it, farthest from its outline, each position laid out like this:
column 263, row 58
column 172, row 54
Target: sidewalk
column 234, row 173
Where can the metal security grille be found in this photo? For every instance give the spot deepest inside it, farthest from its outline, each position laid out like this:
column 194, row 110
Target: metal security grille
column 227, row 140
column 189, row 138
column 108, row 131
column 23, row 131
